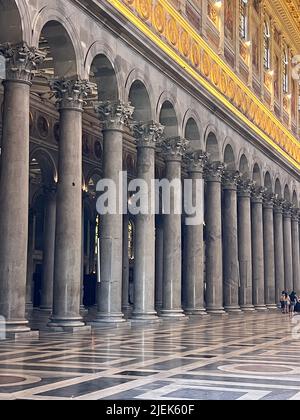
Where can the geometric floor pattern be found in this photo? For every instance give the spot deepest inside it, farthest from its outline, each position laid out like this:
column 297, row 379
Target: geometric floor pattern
column 249, row 357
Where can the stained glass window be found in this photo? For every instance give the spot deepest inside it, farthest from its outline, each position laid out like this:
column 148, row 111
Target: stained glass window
column 267, row 43
column 243, row 18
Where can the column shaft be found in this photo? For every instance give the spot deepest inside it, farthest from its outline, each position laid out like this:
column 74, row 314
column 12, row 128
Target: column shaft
column 258, row 251
column 68, row 235
column 230, row 245
column 214, row 255
column 125, row 272
column 159, row 264
column 288, row 257
column 295, row 244
column 194, row 249
column 14, row 185
column 269, row 255
column 144, row 270
column 245, row 246
column 49, row 252
column 279, row 250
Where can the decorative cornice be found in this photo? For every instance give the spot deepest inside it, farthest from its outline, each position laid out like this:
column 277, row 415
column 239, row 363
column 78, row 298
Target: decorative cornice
column 196, row 161
column 21, row 61
column 114, row 115
column 163, row 25
column 71, row 94
column 174, row 148
column 148, row 134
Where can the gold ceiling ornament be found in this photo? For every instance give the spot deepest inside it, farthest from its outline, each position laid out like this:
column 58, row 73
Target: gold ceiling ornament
column 159, row 18
column 145, row 8
column 172, row 31
column 164, row 26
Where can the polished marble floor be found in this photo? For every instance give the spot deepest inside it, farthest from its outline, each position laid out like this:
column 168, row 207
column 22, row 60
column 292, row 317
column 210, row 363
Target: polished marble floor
column 254, row 356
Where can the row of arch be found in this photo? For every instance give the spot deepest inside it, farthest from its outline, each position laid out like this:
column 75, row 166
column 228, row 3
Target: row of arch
column 52, row 31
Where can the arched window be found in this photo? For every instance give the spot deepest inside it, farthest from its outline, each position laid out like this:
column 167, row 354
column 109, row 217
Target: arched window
column 243, row 19
column 285, row 71
column 267, row 43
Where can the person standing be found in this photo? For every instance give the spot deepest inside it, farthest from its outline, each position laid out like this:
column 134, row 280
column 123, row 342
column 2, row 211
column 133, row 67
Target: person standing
column 293, row 302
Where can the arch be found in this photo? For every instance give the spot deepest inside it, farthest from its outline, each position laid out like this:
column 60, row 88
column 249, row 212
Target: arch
column 138, row 75
column 257, row 175
column 168, row 119
column 295, row 198
column 55, row 33
column 212, row 147
column 268, row 183
column 102, row 73
column 278, row 188
column 140, row 100
column 229, row 158
column 287, row 194
column 192, row 132
column 244, row 166
column 167, row 99
column 46, row 164
column 14, row 22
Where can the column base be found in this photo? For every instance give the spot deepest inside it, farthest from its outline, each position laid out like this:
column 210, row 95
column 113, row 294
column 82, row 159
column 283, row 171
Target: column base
column 272, row 307
column 173, row 315
column 216, row 311
column 233, row 310
column 247, row 308
column 17, row 330
column 150, row 317
column 70, row 325
column 109, row 320
column 260, row 308
column 45, row 309
column 195, row 312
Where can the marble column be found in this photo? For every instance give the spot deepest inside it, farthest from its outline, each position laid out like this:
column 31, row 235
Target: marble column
column 194, row 273
column 66, row 316
column 125, row 271
column 279, row 248
column 287, row 246
column 295, row 250
column 258, row 270
column 147, row 135
column 173, row 150
column 49, row 250
column 159, row 266
column 245, row 244
column 115, row 117
column 214, row 252
column 230, row 243
column 21, row 60
column 31, row 247
column 269, row 252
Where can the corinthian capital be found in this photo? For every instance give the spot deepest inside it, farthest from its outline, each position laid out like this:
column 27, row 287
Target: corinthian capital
column 287, row 209
column 21, row 61
column 245, row 187
column 269, row 200
column 174, row 148
column 114, row 115
column 278, row 205
column 71, row 94
column 196, row 161
column 214, row 171
column 258, row 194
column 295, row 215
column 230, row 180
column 148, row 134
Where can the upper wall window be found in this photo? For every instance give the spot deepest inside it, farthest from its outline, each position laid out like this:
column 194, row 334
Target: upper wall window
column 243, row 19
column 267, row 46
